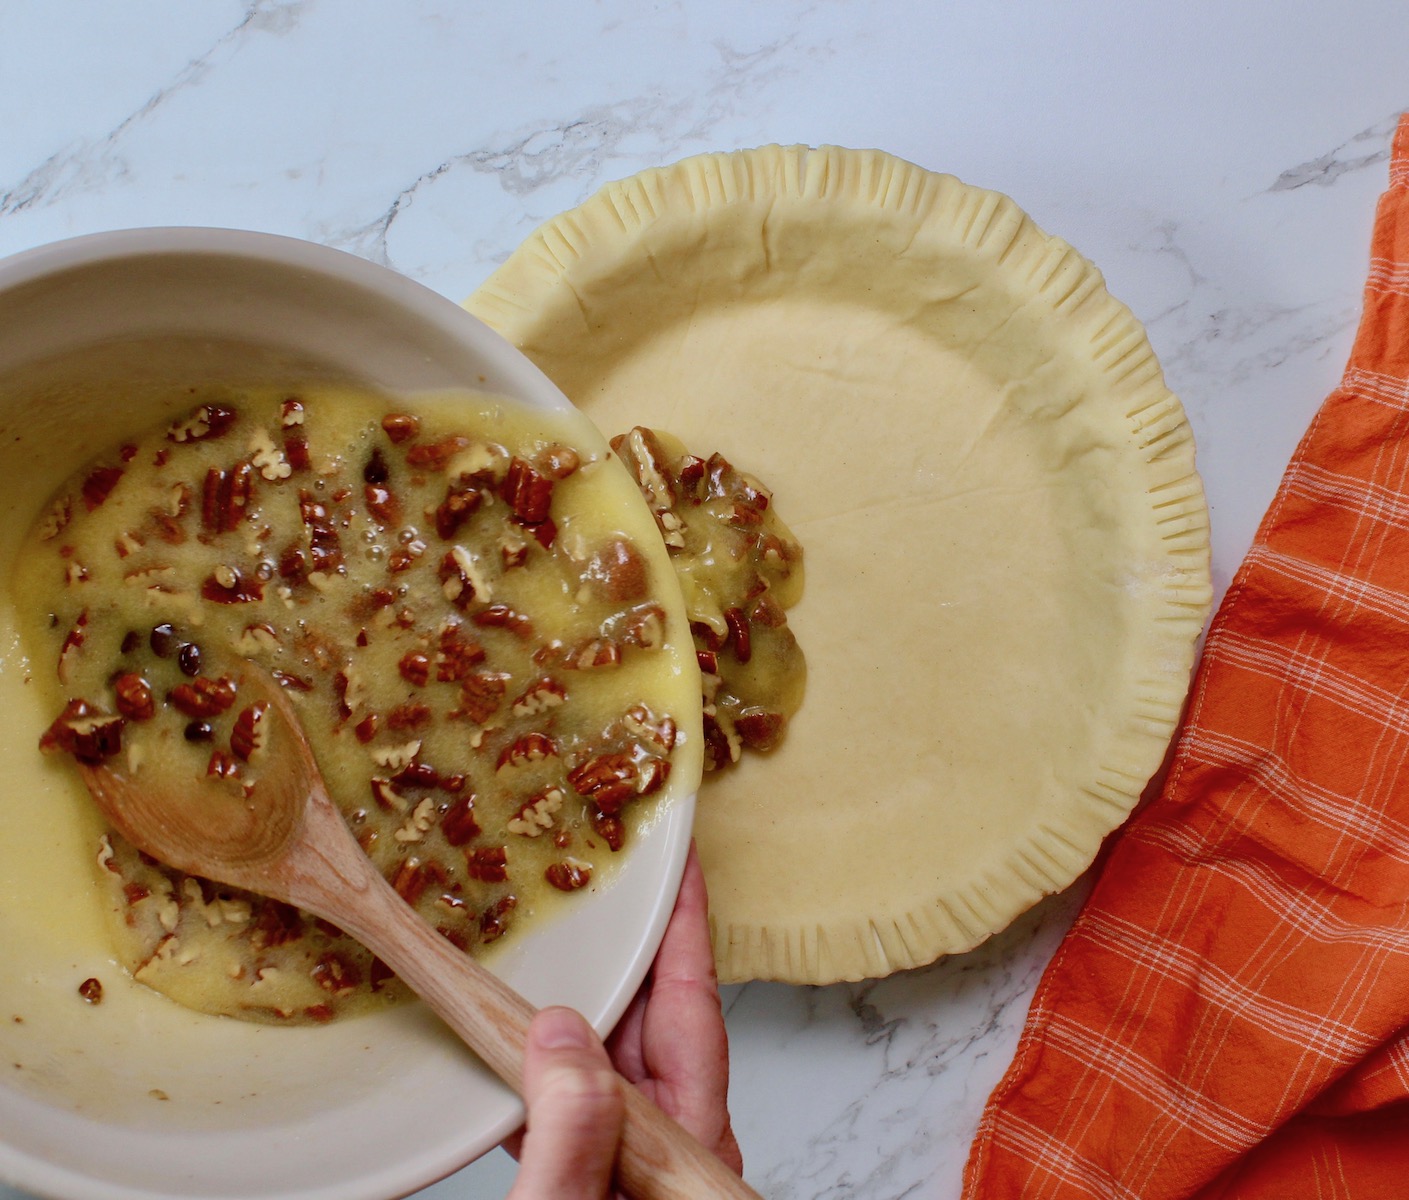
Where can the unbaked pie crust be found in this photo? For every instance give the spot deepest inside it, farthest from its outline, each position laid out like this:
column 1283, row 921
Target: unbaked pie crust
column 1006, row 540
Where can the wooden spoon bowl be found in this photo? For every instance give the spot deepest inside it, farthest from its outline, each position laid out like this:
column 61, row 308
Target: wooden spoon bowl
column 284, row 838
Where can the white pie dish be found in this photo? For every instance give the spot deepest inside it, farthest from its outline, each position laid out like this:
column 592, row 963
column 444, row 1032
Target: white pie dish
column 137, row 1097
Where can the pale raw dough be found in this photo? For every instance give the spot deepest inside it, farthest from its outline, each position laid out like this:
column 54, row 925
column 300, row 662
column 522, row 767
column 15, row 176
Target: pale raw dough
column 1006, row 540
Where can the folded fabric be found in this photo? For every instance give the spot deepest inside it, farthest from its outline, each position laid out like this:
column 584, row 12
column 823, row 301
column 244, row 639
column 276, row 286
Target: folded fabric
column 1229, row 1016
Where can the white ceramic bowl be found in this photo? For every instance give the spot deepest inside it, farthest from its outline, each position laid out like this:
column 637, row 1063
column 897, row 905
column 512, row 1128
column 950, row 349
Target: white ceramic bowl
column 136, row 1097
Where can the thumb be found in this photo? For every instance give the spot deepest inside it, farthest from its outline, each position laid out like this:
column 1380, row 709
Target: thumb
column 575, row 1111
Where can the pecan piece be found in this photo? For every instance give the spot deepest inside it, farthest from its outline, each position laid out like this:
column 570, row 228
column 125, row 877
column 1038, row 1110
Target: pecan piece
column 401, row 427
column 481, row 694
column 611, row 829
column 536, row 813
column 248, row 736
column 415, row 668
column 324, row 546
column 295, row 440
column 226, row 585
column 205, row 423
column 494, row 922
column 73, row 643
column 759, row 729
column 333, row 972
column 501, row 616
column 616, row 572
column 488, row 864
column 530, row 747
column 226, row 496
column 527, row 492
column 540, row 695
column 457, row 657
column 461, row 580
column 612, row 780
column 458, row 824
column 408, row 716
column 222, row 765
column 435, row 455
column 203, row 697
column 385, row 794
column 462, row 501
column 134, row 697
column 382, row 503
column 87, row 733
column 98, row 486
column 568, row 875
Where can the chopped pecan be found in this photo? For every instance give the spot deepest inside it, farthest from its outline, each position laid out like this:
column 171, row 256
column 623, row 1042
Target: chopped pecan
column 494, row 921
column 527, row 492
column 205, row 423
column 557, row 461
column 488, row 864
column 436, row 455
column 462, row 500
column 324, row 546
column 134, row 697
column 759, row 729
column 458, row 824
column 611, row 829
column 461, row 580
column 334, row 972
column 457, row 656
column 227, row 585
column 530, row 747
column 415, row 668
column 410, row 880
column 501, row 616
column 536, row 813
column 401, row 427
column 98, row 485
column 408, row 716
column 248, row 735
column 616, row 572
column 640, row 722
column 382, row 503
column 271, row 462
column 540, row 695
column 222, row 765
column 611, row 780
column 226, row 496
column 385, row 794
column 568, row 875
column 84, row 731
column 404, row 558
column 73, row 643
column 366, row 729
column 204, row 697
column 721, row 746
column 739, row 635
column 481, row 694
column 585, row 656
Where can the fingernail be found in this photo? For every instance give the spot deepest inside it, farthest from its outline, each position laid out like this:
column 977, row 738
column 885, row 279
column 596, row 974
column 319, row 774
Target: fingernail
column 561, row 1029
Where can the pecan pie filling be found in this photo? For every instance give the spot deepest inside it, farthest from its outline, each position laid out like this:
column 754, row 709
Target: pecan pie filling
column 481, row 653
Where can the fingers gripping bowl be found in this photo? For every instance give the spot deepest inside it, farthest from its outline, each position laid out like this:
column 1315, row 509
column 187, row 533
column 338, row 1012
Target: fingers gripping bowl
column 100, row 339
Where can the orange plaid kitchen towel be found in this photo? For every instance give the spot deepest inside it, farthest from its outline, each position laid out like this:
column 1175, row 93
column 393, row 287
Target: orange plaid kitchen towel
column 1229, row 1017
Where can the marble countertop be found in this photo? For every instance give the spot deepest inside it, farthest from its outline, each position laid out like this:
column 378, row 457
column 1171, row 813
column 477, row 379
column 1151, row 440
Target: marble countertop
column 1219, row 162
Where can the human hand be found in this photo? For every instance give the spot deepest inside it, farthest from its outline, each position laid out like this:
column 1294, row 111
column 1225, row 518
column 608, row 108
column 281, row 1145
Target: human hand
column 671, row 1044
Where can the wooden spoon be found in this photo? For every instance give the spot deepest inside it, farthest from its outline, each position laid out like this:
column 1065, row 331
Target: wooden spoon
column 286, row 839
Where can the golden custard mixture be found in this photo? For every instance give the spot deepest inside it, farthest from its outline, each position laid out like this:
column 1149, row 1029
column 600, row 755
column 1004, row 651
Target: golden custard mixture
column 739, row 567
column 475, row 643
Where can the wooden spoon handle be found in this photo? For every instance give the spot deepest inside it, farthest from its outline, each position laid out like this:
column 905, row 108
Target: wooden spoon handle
column 658, row 1159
